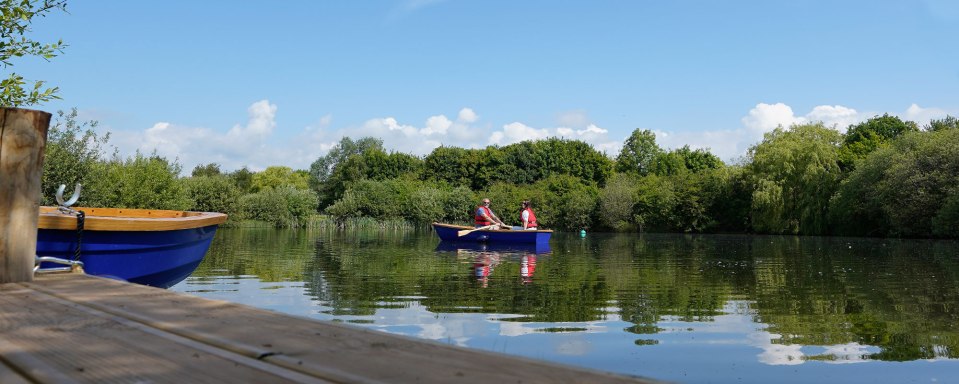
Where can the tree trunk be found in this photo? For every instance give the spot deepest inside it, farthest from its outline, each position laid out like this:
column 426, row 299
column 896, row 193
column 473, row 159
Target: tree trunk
column 23, row 137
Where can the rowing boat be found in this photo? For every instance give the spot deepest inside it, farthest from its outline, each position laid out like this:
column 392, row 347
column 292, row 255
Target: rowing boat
column 146, row 246
column 450, row 232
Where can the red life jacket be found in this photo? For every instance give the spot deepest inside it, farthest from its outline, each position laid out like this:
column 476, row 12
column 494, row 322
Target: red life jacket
column 532, row 218
column 480, row 220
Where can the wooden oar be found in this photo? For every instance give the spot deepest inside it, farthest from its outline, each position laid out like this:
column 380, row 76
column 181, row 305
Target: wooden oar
column 468, row 231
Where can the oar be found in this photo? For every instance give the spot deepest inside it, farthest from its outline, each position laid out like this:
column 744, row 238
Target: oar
column 468, row 231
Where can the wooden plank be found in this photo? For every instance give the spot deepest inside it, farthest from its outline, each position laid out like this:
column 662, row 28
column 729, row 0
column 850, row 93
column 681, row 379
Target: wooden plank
column 332, row 351
column 51, row 340
column 23, row 136
column 10, row 376
column 124, row 220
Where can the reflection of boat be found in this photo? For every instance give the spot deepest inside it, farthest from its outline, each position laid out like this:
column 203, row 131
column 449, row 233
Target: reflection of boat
column 151, row 247
column 485, row 256
column 449, row 232
column 506, row 248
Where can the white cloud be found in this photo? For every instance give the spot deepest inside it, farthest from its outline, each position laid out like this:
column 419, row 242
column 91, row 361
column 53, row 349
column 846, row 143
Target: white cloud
column 242, row 145
column 467, row 115
column 261, row 123
column 834, row 116
column 766, row 117
column 516, row 132
column 436, row 125
column 921, row 115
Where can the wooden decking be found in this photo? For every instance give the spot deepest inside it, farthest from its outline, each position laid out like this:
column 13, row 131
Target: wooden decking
column 74, row 328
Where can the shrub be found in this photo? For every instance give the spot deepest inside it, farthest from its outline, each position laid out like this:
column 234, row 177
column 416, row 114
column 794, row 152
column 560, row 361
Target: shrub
column 212, row 194
column 136, row 182
column 73, row 150
column 283, row 206
column 616, row 202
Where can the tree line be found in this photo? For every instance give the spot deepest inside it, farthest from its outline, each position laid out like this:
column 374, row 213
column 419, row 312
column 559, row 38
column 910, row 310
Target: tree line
column 883, row 177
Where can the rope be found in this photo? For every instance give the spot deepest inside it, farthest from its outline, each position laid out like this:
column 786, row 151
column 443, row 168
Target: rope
column 81, row 217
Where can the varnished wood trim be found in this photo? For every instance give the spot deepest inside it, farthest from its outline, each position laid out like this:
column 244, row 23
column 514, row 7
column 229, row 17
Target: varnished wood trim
column 130, row 220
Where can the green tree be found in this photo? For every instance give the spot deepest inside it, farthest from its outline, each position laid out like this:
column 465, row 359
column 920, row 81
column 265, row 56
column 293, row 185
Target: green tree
column 243, row 179
column 73, row 150
column 149, row 182
column 283, row 206
column 212, row 169
column 943, row 124
column 453, row 165
column 905, row 189
column 212, row 194
column 638, row 153
column 279, row 176
column 16, row 16
column 921, row 178
column 616, row 202
column 863, row 138
column 322, row 167
column 684, row 159
column 794, row 173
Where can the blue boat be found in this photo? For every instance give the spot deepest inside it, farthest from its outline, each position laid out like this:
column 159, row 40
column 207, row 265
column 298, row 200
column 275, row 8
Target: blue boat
column 151, row 247
column 492, row 235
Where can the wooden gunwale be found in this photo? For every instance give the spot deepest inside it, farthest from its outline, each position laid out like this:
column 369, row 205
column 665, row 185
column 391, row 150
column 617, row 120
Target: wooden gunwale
column 458, row 227
column 128, row 220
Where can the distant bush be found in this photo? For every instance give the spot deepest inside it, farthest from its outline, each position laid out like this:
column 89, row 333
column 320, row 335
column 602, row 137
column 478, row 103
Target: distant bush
column 283, row 206
column 616, row 202
column 136, row 182
column 212, row 194
column 404, row 198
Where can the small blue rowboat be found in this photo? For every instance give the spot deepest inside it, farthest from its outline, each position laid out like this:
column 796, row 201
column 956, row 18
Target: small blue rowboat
column 151, row 247
column 449, row 232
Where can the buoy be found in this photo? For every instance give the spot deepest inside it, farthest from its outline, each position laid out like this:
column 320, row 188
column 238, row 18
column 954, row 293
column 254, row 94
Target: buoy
column 582, row 233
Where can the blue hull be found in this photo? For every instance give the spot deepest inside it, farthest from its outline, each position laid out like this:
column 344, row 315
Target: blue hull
column 155, row 258
column 450, row 233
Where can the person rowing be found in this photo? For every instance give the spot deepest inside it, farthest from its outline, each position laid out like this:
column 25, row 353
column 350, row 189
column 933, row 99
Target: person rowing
column 485, row 217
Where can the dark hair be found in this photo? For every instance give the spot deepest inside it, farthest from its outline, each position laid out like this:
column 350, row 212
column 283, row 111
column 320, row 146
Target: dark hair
column 525, row 203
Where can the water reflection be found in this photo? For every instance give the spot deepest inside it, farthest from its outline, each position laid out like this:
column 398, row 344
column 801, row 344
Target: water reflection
column 627, row 303
column 484, row 258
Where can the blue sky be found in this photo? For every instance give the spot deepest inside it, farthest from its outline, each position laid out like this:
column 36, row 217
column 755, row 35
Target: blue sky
column 277, row 83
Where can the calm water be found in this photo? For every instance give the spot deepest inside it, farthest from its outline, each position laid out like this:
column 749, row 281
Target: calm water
column 709, row 308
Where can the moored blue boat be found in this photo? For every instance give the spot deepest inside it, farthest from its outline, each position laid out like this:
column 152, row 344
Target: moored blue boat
column 450, row 232
column 151, row 247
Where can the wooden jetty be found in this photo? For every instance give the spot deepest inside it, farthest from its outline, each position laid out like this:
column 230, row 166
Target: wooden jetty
column 77, row 328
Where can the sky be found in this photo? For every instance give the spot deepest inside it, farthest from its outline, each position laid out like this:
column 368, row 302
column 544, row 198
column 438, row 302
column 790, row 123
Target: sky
column 258, row 84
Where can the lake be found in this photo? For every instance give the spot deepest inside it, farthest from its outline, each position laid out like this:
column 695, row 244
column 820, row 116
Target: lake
column 684, row 308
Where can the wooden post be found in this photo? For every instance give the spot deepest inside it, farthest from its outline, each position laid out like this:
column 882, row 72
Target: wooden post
column 23, row 137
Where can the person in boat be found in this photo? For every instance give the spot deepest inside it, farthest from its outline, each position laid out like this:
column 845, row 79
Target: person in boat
column 485, row 216
column 528, row 217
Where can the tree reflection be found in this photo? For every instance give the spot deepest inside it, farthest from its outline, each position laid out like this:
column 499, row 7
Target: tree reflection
column 854, row 298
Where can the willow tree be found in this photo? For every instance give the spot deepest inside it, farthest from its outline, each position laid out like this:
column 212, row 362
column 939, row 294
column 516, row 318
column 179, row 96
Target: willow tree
column 794, row 173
